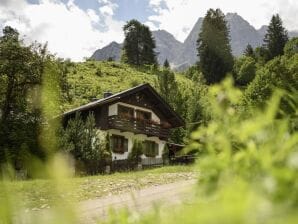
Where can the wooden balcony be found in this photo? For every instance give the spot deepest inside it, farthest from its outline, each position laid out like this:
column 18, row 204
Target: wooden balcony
column 148, row 128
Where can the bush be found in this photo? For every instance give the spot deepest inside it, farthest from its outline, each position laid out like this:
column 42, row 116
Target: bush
column 291, row 47
column 165, row 154
column 98, row 72
column 244, row 70
column 279, row 73
column 134, row 156
column 86, row 143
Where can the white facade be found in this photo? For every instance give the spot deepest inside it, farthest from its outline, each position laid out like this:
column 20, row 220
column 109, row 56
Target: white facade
column 113, row 110
column 131, row 137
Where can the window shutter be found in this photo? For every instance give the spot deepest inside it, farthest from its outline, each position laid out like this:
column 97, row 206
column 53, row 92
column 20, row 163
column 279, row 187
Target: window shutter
column 156, row 148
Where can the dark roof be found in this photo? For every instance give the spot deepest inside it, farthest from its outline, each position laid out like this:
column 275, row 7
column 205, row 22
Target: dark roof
column 174, row 118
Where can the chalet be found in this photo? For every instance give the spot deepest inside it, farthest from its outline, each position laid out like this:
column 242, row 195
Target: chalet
column 139, row 113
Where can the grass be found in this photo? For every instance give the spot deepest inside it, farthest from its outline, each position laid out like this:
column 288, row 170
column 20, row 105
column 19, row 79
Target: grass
column 38, row 194
column 90, row 79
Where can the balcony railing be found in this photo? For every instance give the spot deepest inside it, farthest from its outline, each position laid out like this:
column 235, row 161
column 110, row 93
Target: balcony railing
column 146, row 127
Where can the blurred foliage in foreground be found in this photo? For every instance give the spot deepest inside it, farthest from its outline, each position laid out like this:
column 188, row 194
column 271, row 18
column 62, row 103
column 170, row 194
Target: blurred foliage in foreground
column 248, row 167
column 248, row 171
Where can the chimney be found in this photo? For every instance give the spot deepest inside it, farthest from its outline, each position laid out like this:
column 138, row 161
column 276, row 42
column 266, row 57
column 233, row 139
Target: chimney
column 107, row 94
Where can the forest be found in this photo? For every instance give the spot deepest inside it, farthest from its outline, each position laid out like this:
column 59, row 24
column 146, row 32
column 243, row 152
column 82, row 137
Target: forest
column 240, row 113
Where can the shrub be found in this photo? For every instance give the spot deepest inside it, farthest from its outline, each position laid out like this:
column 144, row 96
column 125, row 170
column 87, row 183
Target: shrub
column 134, row 83
column 165, row 153
column 244, row 70
column 134, row 156
column 279, row 73
column 98, row 72
column 291, row 47
column 86, row 143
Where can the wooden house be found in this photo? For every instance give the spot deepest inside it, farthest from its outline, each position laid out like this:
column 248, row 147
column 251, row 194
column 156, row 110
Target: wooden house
column 139, row 113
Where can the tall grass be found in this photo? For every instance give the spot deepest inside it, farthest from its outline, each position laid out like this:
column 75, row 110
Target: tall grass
column 248, row 170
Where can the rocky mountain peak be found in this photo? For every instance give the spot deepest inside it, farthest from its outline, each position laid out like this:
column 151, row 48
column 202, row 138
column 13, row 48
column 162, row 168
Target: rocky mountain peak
column 183, row 55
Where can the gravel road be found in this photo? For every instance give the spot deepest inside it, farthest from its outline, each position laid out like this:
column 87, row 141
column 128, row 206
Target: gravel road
column 140, row 201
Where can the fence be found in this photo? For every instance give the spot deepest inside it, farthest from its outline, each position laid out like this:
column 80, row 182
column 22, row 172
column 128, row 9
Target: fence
column 185, row 159
column 127, row 165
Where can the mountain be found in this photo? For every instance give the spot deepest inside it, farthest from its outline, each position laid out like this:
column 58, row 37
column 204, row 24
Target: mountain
column 188, row 54
column 111, row 51
column 182, row 55
column 242, row 33
column 262, row 31
column 293, row 34
column 167, row 47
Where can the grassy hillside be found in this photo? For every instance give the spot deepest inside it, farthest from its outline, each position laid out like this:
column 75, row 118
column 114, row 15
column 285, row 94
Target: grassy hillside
column 90, row 79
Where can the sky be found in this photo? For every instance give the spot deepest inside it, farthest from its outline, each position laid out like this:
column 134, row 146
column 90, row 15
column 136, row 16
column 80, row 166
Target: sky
column 76, row 28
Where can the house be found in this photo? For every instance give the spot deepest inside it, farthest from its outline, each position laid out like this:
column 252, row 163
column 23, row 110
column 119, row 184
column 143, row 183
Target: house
column 139, row 113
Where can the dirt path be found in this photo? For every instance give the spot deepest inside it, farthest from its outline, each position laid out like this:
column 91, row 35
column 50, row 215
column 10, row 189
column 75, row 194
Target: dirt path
column 140, row 201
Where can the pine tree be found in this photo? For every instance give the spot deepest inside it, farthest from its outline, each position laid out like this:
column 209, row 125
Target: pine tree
column 148, row 56
column 166, row 64
column 131, row 45
column 249, row 51
column 275, row 38
column 214, row 48
column 139, row 44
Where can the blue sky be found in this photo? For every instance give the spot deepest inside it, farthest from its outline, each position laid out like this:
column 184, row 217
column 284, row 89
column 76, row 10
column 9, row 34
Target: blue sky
column 126, row 10
column 76, row 28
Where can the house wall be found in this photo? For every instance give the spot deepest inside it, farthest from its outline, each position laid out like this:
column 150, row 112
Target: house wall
column 131, row 137
column 113, row 110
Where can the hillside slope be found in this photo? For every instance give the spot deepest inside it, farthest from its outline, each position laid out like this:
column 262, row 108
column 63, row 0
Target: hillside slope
column 89, row 80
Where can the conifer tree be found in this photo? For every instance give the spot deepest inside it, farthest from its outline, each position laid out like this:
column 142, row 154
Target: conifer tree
column 249, row 51
column 148, row 56
column 275, row 38
column 131, row 45
column 214, row 48
column 166, row 63
column 139, row 44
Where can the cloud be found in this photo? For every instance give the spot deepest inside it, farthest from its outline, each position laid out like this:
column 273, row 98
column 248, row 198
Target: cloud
column 108, row 7
column 179, row 16
column 70, row 31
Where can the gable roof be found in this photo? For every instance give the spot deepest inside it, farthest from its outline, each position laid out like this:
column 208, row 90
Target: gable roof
column 162, row 105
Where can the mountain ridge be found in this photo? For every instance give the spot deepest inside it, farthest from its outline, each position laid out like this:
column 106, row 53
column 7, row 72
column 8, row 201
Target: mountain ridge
column 182, row 55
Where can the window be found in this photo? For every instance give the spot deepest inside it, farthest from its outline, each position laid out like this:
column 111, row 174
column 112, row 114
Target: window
column 125, row 112
column 143, row 115
column 150, row 148
column 119, row 144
